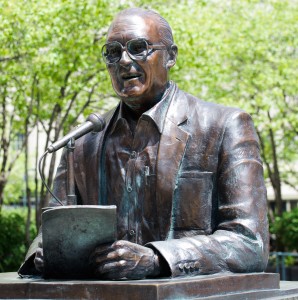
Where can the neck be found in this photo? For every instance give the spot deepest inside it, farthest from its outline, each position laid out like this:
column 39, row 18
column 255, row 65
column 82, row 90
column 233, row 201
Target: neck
column 136, row 107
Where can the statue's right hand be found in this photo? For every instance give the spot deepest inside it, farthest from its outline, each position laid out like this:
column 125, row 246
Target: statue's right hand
column 38, row 260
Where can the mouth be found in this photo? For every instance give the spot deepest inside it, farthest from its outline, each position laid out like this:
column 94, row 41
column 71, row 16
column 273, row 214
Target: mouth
column 129, row 76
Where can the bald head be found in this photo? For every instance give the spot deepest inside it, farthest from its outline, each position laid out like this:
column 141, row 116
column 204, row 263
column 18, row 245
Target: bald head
column 163, row 28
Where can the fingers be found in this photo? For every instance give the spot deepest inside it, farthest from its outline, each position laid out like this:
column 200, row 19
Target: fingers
column 38, row 260
column 103, row 249
column 123, row 259
column 111, row 261
column 100, row 253
column 119, row 270
column 110, row 255
column 127, row 245
column 120, row 251
column 112, row 270
column 109, row 251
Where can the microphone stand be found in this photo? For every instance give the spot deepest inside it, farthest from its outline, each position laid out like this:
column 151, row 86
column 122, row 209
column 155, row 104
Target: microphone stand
column 94, row 123
column 71, row 195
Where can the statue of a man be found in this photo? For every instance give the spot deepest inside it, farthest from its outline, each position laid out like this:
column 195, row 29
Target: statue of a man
column 186, row 175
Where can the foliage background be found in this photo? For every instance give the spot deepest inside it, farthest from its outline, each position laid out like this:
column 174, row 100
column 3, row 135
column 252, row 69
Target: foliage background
column 12, row 237
column 238, row 53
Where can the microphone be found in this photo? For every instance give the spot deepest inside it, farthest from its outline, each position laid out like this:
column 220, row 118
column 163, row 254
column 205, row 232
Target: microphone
column 93, row 123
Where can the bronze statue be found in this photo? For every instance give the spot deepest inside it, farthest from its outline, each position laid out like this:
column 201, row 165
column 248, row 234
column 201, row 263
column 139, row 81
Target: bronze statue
column 186, row 175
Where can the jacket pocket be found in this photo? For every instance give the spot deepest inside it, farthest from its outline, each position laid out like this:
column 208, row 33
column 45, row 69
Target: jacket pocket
column 193, row 202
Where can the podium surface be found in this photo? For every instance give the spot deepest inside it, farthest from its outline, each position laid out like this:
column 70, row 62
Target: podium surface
column 219, row 286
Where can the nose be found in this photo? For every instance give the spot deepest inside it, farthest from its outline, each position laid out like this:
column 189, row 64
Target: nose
column 125, row 58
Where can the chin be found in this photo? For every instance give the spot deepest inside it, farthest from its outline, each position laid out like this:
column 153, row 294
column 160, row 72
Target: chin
column 131, row 92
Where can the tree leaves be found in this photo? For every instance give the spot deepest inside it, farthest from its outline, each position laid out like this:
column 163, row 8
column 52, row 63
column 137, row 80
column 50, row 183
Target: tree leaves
column 239, row 53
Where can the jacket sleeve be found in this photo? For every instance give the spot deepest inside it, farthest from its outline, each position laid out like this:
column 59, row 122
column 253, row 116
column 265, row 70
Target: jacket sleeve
column 239, row 241
column 27, row 268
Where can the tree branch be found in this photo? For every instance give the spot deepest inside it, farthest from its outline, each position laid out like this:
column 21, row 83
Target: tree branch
column 16, row 57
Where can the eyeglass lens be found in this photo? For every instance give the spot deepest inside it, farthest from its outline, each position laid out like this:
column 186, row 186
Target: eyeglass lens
column 136, row 49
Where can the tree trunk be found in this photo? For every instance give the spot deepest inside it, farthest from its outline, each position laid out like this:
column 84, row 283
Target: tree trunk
column 28, row 192
column 274, row 176
column 2, row 185
column 36, row 174
column 37, row 200
column 28, row 220
column 276, row 182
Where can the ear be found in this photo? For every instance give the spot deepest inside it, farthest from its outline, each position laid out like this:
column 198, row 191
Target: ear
column 173, row 52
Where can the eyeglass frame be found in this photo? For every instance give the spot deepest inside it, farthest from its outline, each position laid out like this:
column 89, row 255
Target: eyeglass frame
column 124, row 48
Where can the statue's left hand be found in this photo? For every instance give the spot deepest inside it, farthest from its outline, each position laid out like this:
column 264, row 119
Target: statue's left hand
column 124, row 259
column 38, row 260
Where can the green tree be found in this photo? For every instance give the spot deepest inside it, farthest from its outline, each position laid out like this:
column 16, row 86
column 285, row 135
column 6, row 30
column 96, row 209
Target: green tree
column 239, row 53
column 285, row 228
column 51, row 73
column 12, row 239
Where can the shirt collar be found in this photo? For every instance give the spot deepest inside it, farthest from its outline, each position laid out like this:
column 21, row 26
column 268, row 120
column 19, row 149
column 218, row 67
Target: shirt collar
column 157, row 113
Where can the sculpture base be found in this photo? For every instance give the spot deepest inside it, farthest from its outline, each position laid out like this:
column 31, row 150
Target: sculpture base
column 219, row 286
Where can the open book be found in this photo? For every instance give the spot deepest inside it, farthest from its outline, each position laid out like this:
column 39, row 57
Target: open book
column 71, row 233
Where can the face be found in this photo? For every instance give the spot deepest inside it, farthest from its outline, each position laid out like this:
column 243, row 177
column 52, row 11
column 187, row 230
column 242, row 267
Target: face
column 140, row 84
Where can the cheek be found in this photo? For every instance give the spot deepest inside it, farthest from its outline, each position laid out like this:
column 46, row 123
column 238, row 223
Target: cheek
column 158, row 71
column 159, row 64
column 112, row 72
column 113, row 76
column 152, row 71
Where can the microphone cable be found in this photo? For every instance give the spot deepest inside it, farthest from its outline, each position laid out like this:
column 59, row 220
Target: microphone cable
column 43, row 179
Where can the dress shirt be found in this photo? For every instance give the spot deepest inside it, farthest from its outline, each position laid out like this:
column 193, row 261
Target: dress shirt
column 130, row 171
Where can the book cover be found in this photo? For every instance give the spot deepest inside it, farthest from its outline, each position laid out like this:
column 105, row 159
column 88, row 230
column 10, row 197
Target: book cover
column 71, row 233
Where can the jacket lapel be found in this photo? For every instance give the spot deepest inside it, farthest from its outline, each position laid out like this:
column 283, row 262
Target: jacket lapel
column 90, row 170
column 170, row 153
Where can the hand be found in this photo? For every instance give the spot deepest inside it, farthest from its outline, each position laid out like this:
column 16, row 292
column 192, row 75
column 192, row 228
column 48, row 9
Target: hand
column 38, row 260
column 124, row 259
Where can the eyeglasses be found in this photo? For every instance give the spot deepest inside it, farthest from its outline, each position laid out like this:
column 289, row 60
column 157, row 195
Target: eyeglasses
column 137, row 49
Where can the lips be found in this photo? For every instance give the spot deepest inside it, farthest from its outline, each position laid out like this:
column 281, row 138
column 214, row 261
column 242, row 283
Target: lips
column 129, row 76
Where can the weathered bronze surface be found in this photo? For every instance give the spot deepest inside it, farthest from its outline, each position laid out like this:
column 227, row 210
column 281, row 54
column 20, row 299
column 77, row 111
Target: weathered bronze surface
column 186, row 175
column 220, row 286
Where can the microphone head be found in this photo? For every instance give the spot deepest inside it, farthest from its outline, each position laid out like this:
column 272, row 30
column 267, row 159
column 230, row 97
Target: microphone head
column 97, row 121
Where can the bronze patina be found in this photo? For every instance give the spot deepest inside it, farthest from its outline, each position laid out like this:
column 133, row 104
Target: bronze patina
column 186, row 175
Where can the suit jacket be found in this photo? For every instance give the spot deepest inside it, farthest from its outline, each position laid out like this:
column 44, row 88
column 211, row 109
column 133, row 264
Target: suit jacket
column 210, row 193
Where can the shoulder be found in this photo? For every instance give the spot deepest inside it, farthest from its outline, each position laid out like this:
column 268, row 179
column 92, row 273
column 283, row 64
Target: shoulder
column 209, row 107
column 109, row 115
column 209, row 112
